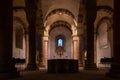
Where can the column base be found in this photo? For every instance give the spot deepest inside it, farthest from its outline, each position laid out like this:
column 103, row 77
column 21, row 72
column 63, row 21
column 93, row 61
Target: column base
column 81, row 64
column 8, row 71
column 113, row 75
column 114, row 71
column 42, row 64
column 9, row 75
column 31, row 67
column 91, row 67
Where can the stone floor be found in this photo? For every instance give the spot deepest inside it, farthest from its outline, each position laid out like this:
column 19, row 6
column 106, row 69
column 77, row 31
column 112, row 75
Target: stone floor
column 81, row 75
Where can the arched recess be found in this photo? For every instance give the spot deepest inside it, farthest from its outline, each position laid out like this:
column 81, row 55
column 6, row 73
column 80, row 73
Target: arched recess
column 64, row 51
column 104, row 41
column 60, row 11
column 70, row 50
column 60, row 22
column 19, row 41
column 60, row 14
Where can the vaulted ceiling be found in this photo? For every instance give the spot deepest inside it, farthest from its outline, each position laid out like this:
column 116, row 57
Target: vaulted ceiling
column 63, row 10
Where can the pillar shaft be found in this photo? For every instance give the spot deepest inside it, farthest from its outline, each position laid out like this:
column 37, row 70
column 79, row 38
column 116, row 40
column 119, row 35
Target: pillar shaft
column 75, row 47
column 90, row 18
column 26, row 46
column 32, row 49
column 81, row 51
column 31, row 10
column 45, row 51
column 115, row 67
column 41, row 32
column 40, row 51
column 7, row 65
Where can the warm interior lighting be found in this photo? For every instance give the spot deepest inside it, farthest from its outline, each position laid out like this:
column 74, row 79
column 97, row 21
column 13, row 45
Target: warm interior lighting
column 60, row 13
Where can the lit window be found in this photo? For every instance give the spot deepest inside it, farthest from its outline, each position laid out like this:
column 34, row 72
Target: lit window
column 60, row 42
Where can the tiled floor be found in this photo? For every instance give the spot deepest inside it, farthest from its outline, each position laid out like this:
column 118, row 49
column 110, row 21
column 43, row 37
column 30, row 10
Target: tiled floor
column 81, row 75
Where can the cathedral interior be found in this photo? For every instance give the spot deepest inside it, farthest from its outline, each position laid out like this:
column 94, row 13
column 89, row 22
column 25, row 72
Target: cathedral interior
column 60, row 40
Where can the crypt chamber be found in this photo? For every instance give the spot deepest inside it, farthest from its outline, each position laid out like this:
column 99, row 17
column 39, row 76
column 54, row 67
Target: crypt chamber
column 61, row 32
column 61, row 36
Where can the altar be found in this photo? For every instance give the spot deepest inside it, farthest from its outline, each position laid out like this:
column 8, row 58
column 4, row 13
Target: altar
column 62, row 66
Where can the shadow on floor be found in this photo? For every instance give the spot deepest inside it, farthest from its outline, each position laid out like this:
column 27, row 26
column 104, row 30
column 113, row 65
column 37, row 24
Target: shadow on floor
column 81, row 75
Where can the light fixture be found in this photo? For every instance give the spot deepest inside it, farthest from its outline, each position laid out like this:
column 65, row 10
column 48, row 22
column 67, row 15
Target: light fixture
column 60, row 13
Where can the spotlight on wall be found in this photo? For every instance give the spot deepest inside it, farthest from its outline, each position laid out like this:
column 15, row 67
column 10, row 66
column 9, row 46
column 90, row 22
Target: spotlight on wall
column 60, row 13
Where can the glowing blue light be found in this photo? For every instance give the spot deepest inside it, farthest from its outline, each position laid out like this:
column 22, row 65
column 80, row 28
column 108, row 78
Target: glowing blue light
column 60, row 42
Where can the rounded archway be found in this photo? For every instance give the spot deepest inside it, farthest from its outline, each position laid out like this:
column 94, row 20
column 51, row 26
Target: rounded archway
column 63, row 34
column 104, row 46
column 19, row 43
column 60, row 22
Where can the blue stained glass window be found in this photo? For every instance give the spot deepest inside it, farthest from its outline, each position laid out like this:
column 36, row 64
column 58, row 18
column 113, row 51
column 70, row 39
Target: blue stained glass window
column 60, row 42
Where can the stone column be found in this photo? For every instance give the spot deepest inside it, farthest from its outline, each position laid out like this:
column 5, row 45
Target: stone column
column 45, row 51
column 40, row 51
column 75, row 47
column 110, row 38
column 81, row 51
column 40, row 26
column 7, row 65
column 90, row 17
column 95, row 47
column 115, row 67
column 32, row 49
column 26, row 46
column 31, row 9
column 41, row 32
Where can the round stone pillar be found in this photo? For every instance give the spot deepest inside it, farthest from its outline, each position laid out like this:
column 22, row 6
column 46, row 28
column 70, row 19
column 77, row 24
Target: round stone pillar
column 7, row 64
column 115, row 67
column 81, row 51
column 45, row 51
column 32, row 49
column 31, row 10
column 26, row 46
column 75, row 47
column 90, row 18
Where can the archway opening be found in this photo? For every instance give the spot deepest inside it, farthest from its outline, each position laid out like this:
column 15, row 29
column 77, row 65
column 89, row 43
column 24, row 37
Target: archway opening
column 103, row 46
column 60, row 43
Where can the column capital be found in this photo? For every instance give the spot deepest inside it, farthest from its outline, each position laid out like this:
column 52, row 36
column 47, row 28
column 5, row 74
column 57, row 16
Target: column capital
column 76, row 37
column 45, row 38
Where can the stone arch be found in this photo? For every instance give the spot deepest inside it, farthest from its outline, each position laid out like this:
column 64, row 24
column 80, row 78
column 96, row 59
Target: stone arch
column 61, row 23
column 19, row 39
column 105, row 8
column 103, row 12
column 59, row 11
column 64, row 23
column 18, row 32
column 18, row 19
column 63, row 32
column 65, row 14
column 103, row 43
column 104, row 19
